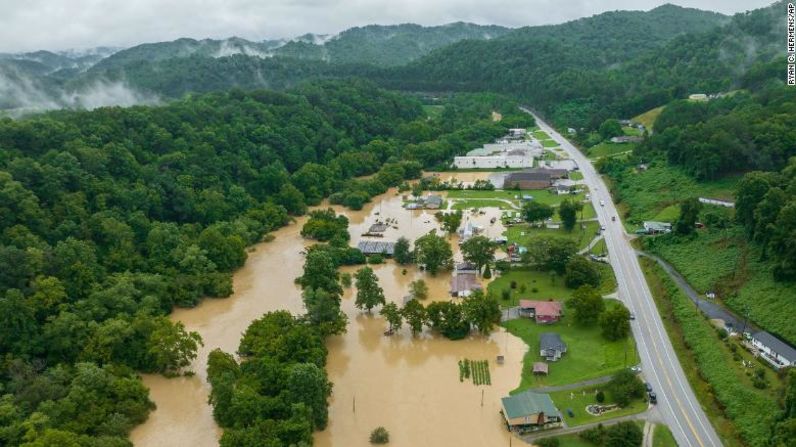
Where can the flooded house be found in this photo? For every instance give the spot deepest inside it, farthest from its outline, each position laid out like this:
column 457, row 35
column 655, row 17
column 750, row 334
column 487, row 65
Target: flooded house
column 530, row 411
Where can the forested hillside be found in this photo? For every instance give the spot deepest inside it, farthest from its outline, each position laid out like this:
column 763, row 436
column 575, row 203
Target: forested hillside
column 615, row 64
column 110, row 218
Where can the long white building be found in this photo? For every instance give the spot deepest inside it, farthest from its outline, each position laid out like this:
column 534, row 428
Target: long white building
column 500, row 155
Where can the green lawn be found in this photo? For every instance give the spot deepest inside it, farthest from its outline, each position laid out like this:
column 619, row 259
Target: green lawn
column 545, row 286
column 607, row 278
column 549, row 143
column 467, row 204
column 524, row 234
column 607, row 149
column 600, row 248
column 646, row 194
column 541, row 135
column 539, row 195
column 433, row 111
column 662, row 437
column 632, row 131
column 575, row 175
column 648, row 118
column 578, row 399
column 588, row 355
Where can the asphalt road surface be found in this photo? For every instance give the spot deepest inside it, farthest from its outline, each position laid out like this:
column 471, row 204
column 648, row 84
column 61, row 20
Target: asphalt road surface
column 677, row 406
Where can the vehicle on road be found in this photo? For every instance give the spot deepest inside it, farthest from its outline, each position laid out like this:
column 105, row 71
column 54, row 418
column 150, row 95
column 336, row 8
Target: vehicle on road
column 632, row 316
column 602, row 227
column 648, row 387
column 636, row 369
column 613, row 218
column 653, row 398
column 602, row 202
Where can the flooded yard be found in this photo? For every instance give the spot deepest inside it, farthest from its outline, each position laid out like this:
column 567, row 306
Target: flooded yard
column 410, row 385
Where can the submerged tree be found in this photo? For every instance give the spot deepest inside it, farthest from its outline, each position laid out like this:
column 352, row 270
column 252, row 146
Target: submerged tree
column 392, row 314
column 369, row 293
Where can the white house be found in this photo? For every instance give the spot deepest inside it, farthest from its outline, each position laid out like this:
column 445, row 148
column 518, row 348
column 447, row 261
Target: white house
column 773, row 350
column 500, row 155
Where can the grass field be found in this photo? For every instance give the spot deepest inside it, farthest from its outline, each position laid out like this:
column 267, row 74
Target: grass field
column 539, row 195
column 662, row 437
column 541, row 135
column 524, row 234
column 608, row 149
column 719, row 380
column 632, row 131
column 578, row 399
column 648, row 118
column 550, row 143
column 545, row 286
column 588, row 355
column 600, row 248
column 646, row 194
column 433, row 111
column 575, row 175
column 466, row 204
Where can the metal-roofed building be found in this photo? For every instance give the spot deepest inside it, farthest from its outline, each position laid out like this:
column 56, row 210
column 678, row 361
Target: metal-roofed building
column 530, row 411
column 372, row 247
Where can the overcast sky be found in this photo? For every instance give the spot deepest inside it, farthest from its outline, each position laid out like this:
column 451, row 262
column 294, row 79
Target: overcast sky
column 27, row 25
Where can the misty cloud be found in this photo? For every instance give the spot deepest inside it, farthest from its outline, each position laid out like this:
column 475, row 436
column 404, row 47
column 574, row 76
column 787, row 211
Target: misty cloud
column 20, row 95
column 57, row 25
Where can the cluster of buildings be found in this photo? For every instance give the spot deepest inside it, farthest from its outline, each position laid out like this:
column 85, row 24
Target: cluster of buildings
column 504, row 154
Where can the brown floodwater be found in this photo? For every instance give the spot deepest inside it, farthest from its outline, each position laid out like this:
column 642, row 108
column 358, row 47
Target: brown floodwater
column 410, row 385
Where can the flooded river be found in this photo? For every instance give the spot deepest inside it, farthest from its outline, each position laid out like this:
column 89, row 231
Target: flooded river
column 408, row 385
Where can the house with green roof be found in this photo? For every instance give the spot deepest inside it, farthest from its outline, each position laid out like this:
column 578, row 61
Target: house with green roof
column 530, row 411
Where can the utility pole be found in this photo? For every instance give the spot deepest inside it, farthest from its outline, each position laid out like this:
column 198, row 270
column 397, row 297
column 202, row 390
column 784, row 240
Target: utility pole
column 482, row 397
column 354, row 404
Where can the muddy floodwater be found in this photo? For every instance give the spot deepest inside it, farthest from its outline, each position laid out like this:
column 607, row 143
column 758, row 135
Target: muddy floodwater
column 410, row 385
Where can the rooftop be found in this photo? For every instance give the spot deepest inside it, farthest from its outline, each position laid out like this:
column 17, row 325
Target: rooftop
column 527, row 403
column 370, row 247
column 462, row 282
column 776, row 345
column 551, row 340
column 542, row 307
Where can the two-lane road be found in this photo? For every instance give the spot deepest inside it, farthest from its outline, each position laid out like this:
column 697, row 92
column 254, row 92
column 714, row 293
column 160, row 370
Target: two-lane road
column 677, row 405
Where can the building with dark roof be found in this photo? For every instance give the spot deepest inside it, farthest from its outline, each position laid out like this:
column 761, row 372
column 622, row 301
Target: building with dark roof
column 537, row 178
column 551, row 346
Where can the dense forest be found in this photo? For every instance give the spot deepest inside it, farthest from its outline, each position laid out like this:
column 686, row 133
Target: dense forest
column 736, row 133
column 110, row 218
column 611, row 65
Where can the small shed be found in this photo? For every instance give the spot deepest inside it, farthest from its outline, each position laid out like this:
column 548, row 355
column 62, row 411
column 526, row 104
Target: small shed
column 540, row 368
column 433, row 202
column 463, row 284
column 542, row 311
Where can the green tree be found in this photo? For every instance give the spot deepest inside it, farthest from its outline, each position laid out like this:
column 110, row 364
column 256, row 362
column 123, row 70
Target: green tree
column 624, row 387
column 610, row 128
column 415, row 316
column 433, row 253
column 320, row 272
column 418, row 289
column 172, row 347
column 307, row 384
column 323, row 310
column 689, row 213
column 482, row 311
column 392, row 314
column 624, row 434
column 369, row 293
column 450, row 221
column 535, row 211
column 587, row 305
column 568, row 212
column 479, row 250
column 615, row 323
column 379, row 435
column 402, row 253
column 580, row 271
